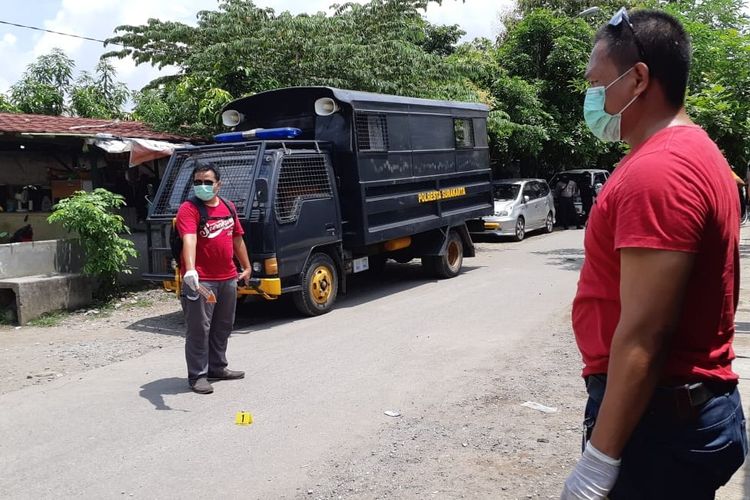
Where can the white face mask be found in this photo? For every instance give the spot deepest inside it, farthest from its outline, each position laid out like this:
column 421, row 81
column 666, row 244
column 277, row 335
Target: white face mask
column 603, row 125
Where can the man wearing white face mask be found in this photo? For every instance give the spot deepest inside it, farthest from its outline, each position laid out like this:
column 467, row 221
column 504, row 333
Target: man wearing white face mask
column 211, row 236
column 654, row 312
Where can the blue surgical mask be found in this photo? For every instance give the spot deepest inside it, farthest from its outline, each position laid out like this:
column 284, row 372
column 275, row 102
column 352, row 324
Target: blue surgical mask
column 603, row 125
column 204, row 192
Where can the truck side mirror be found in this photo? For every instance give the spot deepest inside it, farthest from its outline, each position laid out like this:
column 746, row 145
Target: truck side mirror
column 526, row 199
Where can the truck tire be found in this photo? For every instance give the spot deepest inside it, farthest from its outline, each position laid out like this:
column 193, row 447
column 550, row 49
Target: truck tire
column 320, row 286
column 447, row 265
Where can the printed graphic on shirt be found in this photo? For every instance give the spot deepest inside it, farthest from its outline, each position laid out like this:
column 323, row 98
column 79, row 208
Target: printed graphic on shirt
column 214, row 228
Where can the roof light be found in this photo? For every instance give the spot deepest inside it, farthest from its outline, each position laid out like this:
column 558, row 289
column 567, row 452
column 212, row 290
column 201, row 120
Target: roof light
column 259, row 133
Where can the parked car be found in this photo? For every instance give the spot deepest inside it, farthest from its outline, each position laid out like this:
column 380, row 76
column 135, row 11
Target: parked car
column 583, row 177
column 521, row 206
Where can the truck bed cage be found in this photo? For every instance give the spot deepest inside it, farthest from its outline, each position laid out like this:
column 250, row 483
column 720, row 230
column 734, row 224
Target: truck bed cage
column 236, row 163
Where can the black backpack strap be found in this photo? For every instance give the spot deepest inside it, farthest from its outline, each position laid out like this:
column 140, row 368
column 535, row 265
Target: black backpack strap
column 202, row 210
column 230, row 207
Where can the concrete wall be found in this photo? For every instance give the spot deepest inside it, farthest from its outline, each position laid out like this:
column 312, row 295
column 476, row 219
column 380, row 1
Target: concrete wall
column 62, row 256
column 39, row 257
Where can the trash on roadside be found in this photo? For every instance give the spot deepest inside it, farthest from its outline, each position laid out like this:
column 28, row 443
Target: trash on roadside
column 392, row 413
column 243, row 418
column 538, row 406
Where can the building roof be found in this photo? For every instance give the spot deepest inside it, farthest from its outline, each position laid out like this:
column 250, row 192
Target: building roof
column 16, row 123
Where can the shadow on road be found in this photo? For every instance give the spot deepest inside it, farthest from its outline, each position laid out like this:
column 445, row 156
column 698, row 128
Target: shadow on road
column 156, row 390
column 569, row 259
column 493, row 238
column 164, row 324
column 255, row 314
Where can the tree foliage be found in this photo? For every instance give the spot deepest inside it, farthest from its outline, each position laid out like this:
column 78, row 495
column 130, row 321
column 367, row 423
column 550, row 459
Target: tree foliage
column 91, row 217
column 382, row 46
column 43, row 86
column 100, row 95
column 719, row 87
column 47, row 87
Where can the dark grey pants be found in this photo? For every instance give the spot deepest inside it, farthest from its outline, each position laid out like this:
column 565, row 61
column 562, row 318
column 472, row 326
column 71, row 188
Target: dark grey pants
column 208, row 327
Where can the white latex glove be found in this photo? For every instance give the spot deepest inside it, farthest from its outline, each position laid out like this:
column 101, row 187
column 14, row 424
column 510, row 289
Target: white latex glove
column 191, row 279
column 593, row 477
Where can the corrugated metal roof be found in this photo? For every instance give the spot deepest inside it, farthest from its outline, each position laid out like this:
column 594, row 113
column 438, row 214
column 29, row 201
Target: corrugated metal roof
column 15, row 123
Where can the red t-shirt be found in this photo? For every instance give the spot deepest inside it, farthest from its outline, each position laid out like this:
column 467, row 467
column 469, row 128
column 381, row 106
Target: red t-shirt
column 674, row 192
column 214, row 250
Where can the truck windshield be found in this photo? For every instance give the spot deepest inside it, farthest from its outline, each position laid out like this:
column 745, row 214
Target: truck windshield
column 235, row 166
column 506, row 192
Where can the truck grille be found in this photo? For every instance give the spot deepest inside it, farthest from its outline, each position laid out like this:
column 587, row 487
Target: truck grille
column 302, row 177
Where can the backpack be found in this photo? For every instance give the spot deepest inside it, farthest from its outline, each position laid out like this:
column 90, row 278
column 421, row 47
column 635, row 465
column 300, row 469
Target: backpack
column 175, row 240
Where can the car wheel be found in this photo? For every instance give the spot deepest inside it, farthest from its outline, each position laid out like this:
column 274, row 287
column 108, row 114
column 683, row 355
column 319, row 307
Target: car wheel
column 549, row 224
column 520, row 233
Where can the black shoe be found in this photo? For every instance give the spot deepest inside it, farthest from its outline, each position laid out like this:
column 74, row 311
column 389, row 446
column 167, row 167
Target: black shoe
column 201, row 386
column 226, row 374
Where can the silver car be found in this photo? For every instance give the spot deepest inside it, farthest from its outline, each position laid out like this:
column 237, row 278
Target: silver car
column 521, row 206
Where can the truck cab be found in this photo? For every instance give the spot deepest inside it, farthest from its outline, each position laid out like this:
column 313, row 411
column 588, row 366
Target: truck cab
column 358, row 179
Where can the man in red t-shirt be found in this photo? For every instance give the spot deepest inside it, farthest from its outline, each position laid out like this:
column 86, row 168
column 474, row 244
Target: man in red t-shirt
column 207, row 264
column 654, row 312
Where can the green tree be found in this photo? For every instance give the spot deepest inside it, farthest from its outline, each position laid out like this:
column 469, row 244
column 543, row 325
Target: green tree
column 719, row 87
column 441, row 39
column 243, row 49
column 47, row 88
column 6, row 106
column 550, row 53
column 572, row 8
column 99, row 96
column 91, row 217
column 43, row 86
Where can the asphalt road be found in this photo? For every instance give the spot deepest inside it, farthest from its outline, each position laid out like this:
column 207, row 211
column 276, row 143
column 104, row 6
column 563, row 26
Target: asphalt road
column 317, row 388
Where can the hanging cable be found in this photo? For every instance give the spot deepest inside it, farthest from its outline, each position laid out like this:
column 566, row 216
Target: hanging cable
column 58, row 33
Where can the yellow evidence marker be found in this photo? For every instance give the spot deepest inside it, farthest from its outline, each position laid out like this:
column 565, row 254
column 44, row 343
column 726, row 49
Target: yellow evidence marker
column 243, row 418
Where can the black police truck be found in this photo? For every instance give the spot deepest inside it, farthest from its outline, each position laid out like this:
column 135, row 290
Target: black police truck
column 329, row 182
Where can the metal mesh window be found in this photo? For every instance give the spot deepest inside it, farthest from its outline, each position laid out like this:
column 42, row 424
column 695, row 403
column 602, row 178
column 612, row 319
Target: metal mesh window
column 236, row 169
column 372, row 132
column 302, row 177
column 464, row 132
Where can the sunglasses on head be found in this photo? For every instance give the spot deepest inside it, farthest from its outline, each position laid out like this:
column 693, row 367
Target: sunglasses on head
column 198, row 182
column 621, row 17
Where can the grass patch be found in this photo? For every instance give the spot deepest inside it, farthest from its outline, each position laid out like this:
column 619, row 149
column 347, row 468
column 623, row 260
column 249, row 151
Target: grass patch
column 142, row 303
column 49, row 319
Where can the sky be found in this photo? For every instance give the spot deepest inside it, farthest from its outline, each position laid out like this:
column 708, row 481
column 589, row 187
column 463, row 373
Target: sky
column 98, row 18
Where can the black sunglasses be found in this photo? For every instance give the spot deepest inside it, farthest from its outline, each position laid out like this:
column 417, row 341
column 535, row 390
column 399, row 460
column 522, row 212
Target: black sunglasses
column 198, row 182
column 621, row 17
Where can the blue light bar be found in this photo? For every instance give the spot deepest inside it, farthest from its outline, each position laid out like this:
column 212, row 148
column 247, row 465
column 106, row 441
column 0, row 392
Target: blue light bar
column 259, row 133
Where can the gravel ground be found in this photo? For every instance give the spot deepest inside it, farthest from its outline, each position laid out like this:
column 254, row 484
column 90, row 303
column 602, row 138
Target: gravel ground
column 481, row 443
column 138, row 323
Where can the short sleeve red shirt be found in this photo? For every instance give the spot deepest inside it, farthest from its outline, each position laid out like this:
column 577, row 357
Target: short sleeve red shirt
column 674, row 192
column 214, row 250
